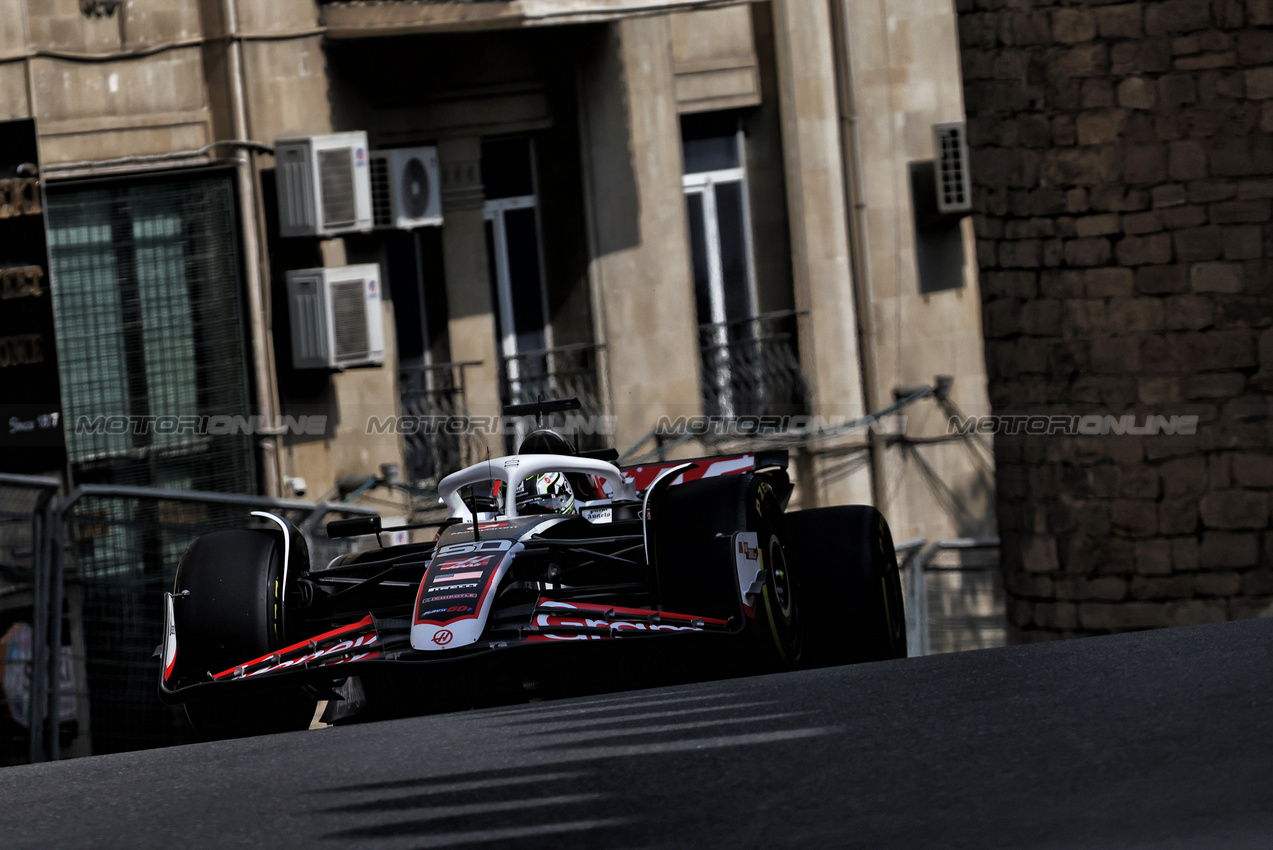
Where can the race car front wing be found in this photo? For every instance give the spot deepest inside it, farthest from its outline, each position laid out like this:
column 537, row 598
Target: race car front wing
column 374, row 642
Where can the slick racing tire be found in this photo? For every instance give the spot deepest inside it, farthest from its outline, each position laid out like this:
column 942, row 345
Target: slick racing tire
column 696, row 565
column 231, row 612
column 850, row 587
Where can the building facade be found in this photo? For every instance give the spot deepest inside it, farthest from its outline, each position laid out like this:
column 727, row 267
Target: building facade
column 675, row 209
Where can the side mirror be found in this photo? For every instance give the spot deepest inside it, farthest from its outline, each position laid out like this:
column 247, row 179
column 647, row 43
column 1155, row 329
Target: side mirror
column 356, row 527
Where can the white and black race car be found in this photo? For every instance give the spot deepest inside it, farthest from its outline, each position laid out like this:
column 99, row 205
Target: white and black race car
column 554, row 571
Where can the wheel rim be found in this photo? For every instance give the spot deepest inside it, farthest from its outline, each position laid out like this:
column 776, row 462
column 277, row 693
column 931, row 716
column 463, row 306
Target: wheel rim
column 780, row 578
column 780, row 604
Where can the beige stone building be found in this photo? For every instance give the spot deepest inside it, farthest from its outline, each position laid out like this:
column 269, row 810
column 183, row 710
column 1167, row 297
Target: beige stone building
column 667, row 208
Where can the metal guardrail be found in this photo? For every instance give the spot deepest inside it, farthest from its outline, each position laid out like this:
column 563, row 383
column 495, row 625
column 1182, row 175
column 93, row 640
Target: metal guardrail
column 919, row 564
column 907, row 557
column 29, row 531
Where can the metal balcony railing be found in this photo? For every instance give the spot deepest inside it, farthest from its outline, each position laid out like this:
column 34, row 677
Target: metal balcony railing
column 751, row 367
column 567, row 371
column 436, row 439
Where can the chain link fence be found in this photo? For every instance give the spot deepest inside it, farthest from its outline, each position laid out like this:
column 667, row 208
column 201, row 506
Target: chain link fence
column 87, row 574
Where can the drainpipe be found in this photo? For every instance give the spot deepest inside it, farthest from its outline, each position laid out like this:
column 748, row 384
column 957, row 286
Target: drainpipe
column 858, row 256
column 262, row 349
column 26, row 70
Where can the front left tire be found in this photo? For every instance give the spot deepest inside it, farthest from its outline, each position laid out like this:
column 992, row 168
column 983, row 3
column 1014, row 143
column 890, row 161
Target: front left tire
column 229, row 609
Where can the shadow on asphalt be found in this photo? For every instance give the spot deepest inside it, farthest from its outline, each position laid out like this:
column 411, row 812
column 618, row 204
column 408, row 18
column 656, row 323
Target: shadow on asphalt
column 586, row 800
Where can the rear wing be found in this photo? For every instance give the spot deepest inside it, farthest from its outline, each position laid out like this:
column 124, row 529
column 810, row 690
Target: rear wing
column 641, row 476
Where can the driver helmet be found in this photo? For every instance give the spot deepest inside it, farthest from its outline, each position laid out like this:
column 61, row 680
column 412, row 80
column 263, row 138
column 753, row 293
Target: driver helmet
column 548, row 492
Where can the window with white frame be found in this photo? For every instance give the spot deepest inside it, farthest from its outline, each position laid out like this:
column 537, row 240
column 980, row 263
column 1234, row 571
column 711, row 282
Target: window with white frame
column 715, row 186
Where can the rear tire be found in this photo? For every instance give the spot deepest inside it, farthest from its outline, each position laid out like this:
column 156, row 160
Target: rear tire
column 850, row 586
column 233, row 614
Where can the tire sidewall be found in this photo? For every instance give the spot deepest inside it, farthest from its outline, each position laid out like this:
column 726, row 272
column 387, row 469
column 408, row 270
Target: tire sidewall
column 850, row 584
column 234, row 613
column 886, row 568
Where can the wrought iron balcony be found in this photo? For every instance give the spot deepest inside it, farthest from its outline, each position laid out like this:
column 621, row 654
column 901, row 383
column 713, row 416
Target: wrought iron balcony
column 751, row 367
column 567, row 371
column 432, row 396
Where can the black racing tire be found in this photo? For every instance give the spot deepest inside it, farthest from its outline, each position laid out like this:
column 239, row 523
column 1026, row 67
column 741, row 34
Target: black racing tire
column 850, row 586
column 231, row 613
column 694, row 525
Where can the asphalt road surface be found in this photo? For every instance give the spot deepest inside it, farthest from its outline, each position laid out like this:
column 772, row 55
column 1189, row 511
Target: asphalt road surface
column 1157, row 739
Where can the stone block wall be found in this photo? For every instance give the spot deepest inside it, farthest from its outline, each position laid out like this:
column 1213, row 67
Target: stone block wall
column 1122, row 155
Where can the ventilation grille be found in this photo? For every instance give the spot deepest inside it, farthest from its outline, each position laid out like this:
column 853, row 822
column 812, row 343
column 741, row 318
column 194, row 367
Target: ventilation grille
column 295, row 182
column 954, row 185
column 349, row 319
column 336, row 171
column 381, row 199
column 309, row 306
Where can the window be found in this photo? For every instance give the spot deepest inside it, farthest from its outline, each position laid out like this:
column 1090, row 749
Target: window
column 417, row 279
column 151, row 341
column 715, row 185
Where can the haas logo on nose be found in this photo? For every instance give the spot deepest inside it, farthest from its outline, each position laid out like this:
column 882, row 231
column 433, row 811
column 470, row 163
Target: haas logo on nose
column 443, row 637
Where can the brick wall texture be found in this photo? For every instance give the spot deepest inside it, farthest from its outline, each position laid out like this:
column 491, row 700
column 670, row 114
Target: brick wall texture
column 1122, row 156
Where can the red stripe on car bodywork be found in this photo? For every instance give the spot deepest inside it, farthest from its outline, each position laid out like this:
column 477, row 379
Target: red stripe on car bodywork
column 643, row 476
column 588, row 607
column 364, row 623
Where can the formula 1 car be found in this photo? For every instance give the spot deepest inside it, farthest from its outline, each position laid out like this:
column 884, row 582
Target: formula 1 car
column 554, row 570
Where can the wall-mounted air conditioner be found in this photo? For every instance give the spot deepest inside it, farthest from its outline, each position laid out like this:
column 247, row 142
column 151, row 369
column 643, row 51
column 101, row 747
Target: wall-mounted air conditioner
column 336, row 318
column 324, row 188
column 405, row 190
column 954, row 178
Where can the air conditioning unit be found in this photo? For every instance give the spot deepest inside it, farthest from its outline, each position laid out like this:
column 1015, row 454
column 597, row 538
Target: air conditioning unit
column 405, row 190
column 336, row 317
column 954, row 179
column 324, row 188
